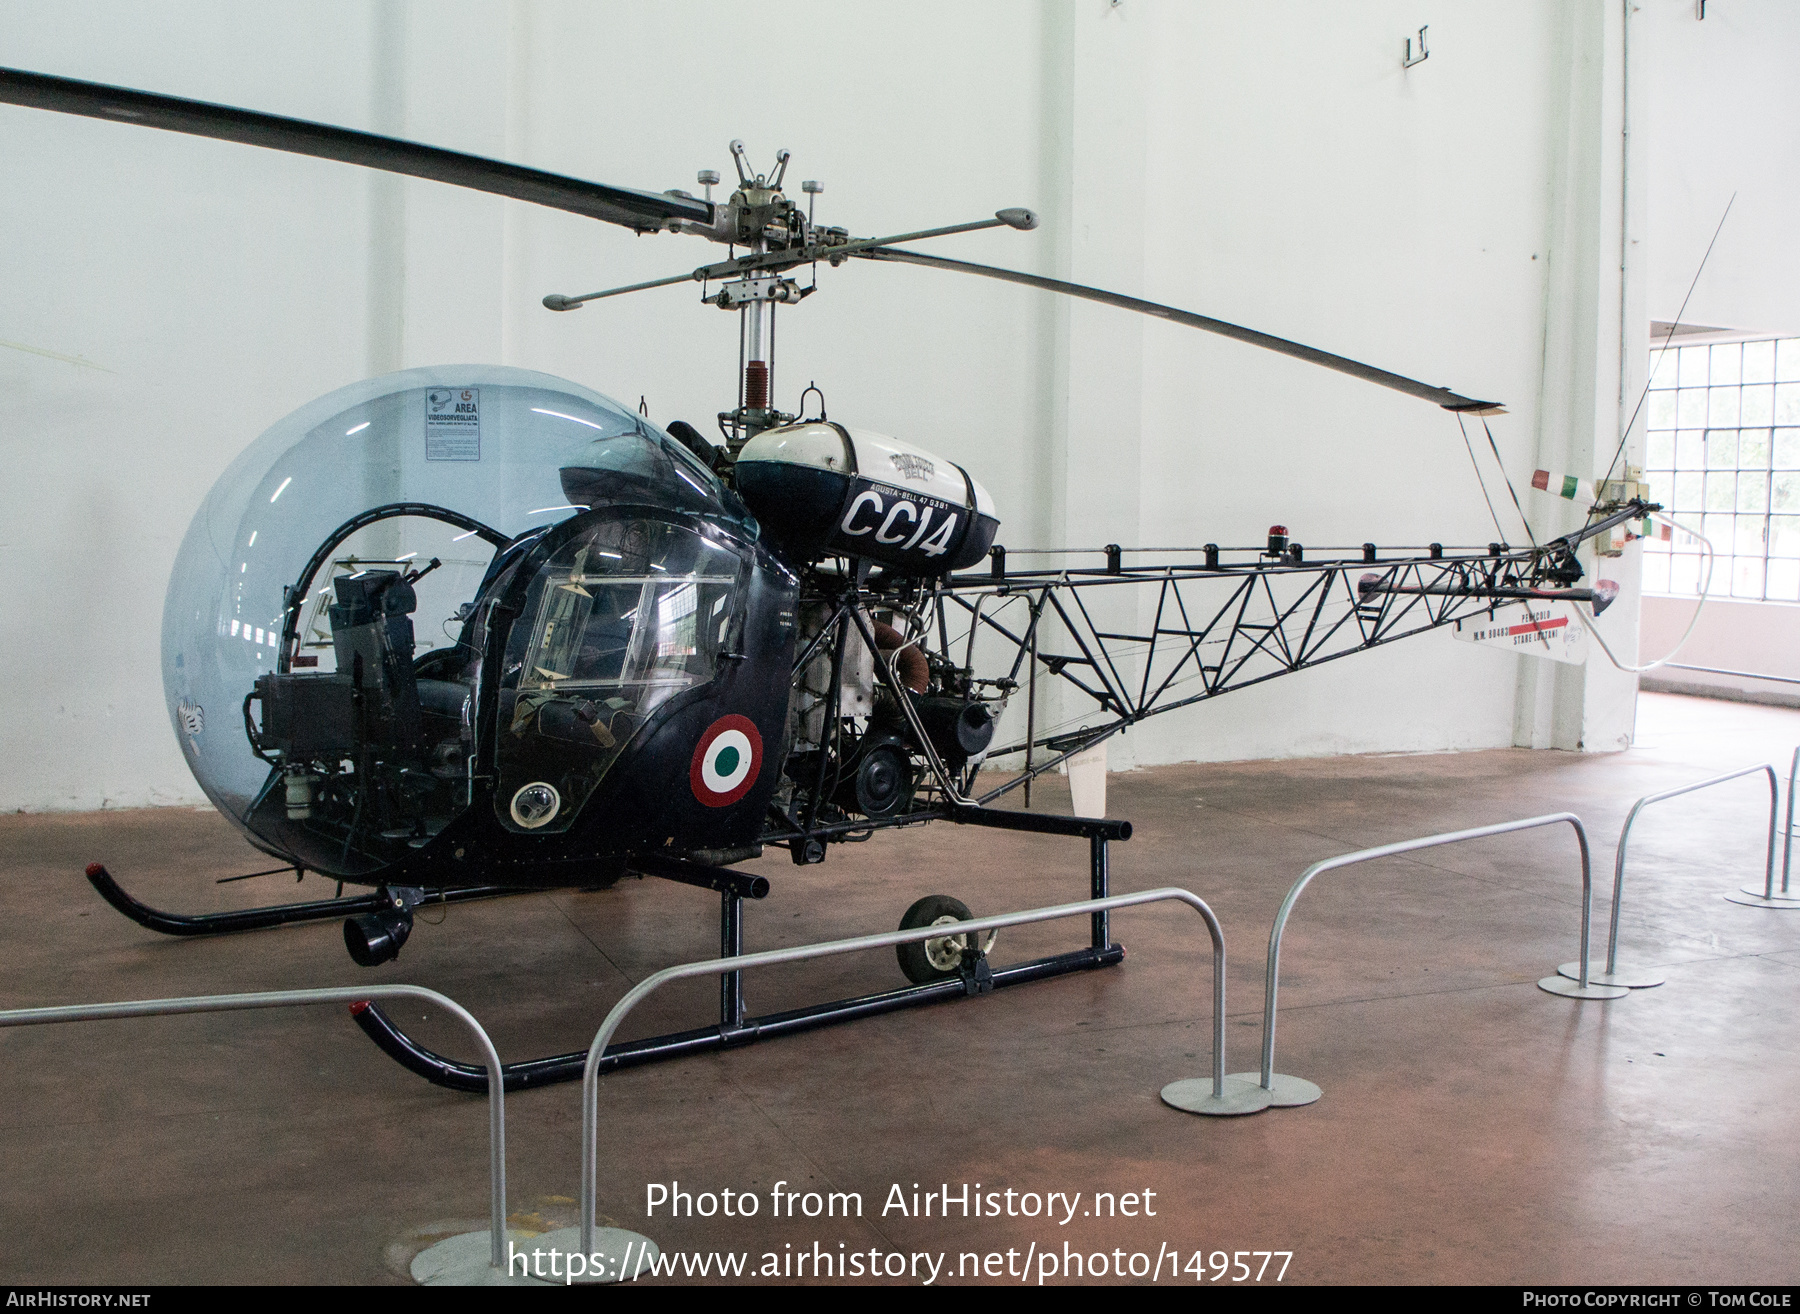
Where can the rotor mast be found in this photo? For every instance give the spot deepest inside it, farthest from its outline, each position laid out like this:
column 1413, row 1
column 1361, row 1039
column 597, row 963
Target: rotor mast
column 764, row 220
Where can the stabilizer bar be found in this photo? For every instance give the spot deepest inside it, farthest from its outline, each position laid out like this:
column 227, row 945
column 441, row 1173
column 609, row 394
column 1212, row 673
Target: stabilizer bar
column 743, row 885
column 1042, row 823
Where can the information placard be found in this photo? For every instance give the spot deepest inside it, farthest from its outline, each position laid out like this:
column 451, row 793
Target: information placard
column 453, row 424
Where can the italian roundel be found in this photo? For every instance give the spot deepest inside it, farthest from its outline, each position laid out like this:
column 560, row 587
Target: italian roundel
column 726, row 761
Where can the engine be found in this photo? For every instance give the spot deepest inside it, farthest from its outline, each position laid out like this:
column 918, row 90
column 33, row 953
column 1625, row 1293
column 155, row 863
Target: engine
column 863, row 760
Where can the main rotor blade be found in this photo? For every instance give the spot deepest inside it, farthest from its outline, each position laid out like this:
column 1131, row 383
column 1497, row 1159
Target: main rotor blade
column 643, row 211
column 1450, row 401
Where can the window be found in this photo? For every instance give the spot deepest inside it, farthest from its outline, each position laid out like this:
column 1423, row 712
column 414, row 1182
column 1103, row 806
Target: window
column 1723, row 455
column 602, row 626
column 629, row 611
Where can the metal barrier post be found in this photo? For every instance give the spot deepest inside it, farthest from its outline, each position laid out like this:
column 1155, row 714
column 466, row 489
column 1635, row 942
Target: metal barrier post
column 473, row 1257
column 1787, row 832
column 1608, row 973
column 619, row 1254
column 1285, row 1091
column 1749, row 895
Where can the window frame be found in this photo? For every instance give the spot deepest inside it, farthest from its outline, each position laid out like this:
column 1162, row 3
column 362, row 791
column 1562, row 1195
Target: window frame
column 1710, row 407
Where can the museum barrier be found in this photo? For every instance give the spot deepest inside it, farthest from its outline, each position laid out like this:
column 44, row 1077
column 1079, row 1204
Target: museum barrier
column 1787, row 836
column 1227, row 1095
column 1285, row 1091
column 1751, row 895
column 353, row 995
column 1760, row 896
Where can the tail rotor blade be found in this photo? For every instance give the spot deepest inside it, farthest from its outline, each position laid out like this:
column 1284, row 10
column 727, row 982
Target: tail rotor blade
column 1449, row 400
column 643, row 211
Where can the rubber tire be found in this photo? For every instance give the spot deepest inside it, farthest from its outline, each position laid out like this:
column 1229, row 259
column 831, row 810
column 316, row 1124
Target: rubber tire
column 913, row 960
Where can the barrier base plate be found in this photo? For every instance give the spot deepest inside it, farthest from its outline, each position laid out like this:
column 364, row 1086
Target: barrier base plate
column 1559, row 985
column 622, row 1255
column 1751, row 896
column 1284, row 1092
column 1630, row 978
column 1195, row 1095
column 464, row 1261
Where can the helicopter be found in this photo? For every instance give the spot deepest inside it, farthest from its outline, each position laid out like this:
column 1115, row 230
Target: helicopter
column 464, row 631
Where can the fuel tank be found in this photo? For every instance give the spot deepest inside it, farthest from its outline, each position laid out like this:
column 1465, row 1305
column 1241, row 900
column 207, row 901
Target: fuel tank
column 820, row 489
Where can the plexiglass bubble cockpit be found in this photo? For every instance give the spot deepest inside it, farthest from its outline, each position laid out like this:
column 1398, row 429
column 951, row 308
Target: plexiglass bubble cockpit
column 434, row 612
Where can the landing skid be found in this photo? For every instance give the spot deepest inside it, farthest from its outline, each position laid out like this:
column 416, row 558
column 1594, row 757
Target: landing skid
column 734, row 1027
column 256, row 919
column 452, row 1075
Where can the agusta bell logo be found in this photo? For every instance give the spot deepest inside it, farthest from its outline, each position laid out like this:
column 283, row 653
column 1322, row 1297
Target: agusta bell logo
column 912, row 467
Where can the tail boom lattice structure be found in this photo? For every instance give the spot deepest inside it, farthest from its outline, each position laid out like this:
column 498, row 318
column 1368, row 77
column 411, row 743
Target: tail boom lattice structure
column 1219, row 624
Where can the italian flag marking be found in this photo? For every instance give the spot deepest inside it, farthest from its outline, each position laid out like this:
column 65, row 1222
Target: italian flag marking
column 726, row 761
column 1560, row 485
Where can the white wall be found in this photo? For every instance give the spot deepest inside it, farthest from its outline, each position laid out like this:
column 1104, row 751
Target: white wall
column 1724, row 124
column 1756, row 638
column 1459, row 222
column 1725, row 121
column 1270, row 164
column 1394, row 215
column 212, row 289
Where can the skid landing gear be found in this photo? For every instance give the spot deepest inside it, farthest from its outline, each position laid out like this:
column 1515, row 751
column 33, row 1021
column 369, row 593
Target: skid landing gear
column 967, row 972
column 256, row 919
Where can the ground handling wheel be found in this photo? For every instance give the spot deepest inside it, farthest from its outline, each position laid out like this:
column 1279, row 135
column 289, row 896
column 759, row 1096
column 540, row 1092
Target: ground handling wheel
column 941, row 958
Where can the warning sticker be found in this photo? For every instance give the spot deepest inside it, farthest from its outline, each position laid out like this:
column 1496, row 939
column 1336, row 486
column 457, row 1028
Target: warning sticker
column 1539, row 629
column 453, row 424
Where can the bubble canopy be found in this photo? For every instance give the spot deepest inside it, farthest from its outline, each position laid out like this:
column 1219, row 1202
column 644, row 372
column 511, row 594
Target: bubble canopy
column 512, row 449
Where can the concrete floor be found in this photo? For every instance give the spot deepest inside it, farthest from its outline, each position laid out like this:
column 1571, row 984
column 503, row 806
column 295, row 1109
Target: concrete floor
column 1473, row 1128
